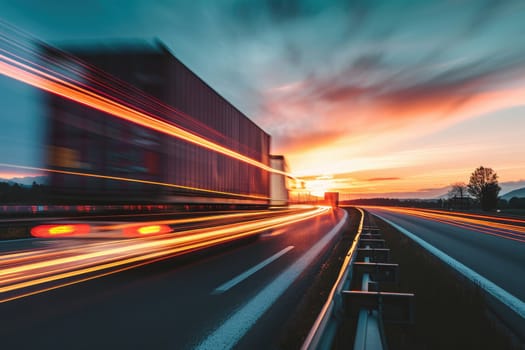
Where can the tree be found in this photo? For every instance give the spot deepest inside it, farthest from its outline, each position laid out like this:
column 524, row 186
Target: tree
column 483, row 186
column 458, row 195
column 459, row 190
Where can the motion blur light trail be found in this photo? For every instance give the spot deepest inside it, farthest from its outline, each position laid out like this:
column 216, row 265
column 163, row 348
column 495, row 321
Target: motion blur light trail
column 21, row 46
column 474, row 222
column 28, row 273
column 51, row 83
column 66, row 230
column 118, row 178
column 503, row 219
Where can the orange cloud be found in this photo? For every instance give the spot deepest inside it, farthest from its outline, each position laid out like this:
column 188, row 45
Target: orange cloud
column 8, row 175
column 383, row 179
column 321, row 111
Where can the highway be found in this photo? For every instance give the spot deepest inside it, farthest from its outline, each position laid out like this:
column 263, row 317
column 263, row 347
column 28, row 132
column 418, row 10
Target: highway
column 236, row 296
column 492, row 247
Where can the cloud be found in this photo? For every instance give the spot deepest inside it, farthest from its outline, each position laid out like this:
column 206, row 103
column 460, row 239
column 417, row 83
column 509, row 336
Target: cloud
column 308, row 139
column 327, row 79
column 426, row 193
column 383, row 179
column 351, row 79
column 344, row 103
column 486, row 13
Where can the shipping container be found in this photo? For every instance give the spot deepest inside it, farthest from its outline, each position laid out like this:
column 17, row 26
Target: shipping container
column 115, row 160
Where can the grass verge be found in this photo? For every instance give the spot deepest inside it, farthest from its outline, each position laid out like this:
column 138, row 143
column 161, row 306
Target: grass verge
column 450, row 312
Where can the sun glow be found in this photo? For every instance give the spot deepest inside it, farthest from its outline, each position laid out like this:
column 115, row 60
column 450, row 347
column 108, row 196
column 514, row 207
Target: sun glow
column 320, row 185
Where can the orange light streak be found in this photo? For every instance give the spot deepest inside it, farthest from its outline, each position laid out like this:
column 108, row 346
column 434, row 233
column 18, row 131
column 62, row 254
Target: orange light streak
column 20, row 257
column 191, row 220
column 44, row 81
column 118, row 178
column 217, row 237
column 470, row 221
column 498, row 218
column 72, row 67
column 481, row 229
column 97, row 259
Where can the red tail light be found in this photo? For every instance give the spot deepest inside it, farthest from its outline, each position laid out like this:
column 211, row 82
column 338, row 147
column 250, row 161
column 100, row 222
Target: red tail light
column 63, row 230
column 146, row 230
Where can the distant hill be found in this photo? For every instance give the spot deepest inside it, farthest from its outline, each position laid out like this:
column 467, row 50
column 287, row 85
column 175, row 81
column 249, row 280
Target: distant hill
column 520, row 193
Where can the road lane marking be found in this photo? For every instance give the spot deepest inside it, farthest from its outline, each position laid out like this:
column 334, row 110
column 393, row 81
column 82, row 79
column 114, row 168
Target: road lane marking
column 490, row 287
column 233, row 282
column 235, row 327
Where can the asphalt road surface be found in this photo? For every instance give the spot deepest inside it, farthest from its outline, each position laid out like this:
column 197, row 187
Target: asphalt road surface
column 493, row 249
column 235, row 297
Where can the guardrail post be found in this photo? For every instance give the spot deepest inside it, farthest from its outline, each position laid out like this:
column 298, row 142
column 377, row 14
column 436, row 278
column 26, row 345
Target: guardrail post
column 370, row 305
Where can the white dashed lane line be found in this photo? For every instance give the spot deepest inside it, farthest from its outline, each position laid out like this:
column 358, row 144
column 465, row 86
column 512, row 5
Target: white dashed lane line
column 233, row 282
column 227, row 334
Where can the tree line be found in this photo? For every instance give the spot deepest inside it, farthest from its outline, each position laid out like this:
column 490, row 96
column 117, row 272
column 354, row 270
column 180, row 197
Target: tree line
column 482, row 190
column 13, row 193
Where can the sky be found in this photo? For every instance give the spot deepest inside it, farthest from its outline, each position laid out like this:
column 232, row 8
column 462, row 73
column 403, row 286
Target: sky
column 370, row 98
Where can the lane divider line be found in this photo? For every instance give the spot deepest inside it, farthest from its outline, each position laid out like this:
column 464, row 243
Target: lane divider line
column 490, row 287
column 235, row 281
column 235, row 327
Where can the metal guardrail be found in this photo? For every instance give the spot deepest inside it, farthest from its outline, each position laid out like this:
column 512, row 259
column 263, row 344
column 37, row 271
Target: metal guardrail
column 369, row 305
column 368, row 333
column 325, row 326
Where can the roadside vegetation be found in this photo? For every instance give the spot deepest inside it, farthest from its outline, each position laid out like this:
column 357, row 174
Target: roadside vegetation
column 14, row 193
